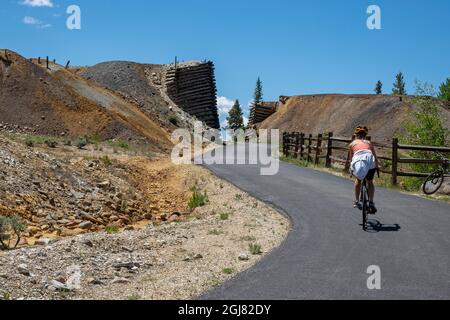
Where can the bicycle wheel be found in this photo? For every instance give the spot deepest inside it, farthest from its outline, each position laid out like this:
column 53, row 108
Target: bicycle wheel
column 433, row 182
column 365, row 206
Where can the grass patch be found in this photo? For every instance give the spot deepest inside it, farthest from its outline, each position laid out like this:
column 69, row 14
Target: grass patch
column 198, row 199
column 31, row 140
column 121, row 144
column 224, row 216
column 254, row 248
column 106, row 161
column 112, row 229
column 239, row 197
column 134, row 297
column 299, row 162
column 228, row 270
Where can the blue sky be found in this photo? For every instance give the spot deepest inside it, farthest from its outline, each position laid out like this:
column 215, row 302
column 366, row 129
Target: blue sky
column 295, row 46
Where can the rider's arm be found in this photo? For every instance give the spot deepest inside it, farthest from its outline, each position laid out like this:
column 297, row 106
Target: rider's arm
column 372, row 148
column 349, row 158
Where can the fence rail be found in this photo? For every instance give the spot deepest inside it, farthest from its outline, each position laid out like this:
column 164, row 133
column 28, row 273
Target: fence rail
column 314, row 148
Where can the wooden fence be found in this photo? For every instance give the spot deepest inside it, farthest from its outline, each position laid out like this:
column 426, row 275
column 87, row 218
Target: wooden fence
column 327, row 147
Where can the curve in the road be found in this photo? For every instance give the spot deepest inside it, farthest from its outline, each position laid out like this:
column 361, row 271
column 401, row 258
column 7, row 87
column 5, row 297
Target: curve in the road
column 327, row 254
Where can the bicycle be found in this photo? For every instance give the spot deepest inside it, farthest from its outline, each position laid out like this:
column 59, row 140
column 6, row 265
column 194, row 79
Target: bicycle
column 365, row 202
column 435, row 180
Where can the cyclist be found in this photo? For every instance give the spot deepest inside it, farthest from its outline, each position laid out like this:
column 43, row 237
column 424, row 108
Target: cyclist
column 364, row 165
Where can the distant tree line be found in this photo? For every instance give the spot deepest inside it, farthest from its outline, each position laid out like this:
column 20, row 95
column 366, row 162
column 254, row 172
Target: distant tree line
column 399, row 88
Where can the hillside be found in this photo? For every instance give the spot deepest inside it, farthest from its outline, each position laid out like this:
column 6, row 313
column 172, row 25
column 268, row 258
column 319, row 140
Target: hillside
column 57, row 102
column 383, row 114
column 139, row 83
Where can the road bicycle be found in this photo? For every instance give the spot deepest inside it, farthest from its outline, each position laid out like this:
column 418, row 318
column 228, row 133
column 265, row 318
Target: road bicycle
column 435, row 180
column 364, row 201
column 365, row 204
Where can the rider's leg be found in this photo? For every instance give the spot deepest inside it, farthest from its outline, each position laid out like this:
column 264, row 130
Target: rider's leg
column 371, row 190
column 358, row 185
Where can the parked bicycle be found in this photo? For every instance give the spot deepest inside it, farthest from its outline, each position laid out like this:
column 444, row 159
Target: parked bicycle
column 435, row 180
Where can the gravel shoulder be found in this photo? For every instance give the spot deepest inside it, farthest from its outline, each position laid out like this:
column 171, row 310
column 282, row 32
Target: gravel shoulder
column 178, row 259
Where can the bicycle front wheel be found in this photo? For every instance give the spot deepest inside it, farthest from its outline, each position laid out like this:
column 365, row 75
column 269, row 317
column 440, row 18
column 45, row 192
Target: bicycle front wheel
column 433, row 183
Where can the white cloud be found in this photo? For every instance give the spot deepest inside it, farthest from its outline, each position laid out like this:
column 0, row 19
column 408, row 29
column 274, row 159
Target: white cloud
column 224, row 104
column 35, row 22
column 37, row 3
column 31, row 20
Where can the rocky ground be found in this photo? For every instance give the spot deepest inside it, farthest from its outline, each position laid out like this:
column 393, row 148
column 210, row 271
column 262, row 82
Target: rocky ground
column 121, row 228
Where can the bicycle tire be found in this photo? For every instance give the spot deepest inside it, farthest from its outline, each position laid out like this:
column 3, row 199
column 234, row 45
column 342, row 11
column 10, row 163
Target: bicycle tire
column 365, row 205
column 433, row 183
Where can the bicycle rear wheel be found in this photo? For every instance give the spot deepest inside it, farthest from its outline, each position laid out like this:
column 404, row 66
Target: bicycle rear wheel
column 365, row 206
column 433, row 183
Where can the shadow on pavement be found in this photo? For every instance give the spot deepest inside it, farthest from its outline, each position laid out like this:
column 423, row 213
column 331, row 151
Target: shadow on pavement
column 376, row 226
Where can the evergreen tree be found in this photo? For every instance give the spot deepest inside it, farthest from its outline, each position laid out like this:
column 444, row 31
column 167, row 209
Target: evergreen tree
column 399, row 85
column 444, row 91
column 258, row 95
column 235, row 117
column 379, row 87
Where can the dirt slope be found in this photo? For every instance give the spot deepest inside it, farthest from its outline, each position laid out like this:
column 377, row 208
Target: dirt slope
column 140, row 83
column 383, row 114
column 57, row 102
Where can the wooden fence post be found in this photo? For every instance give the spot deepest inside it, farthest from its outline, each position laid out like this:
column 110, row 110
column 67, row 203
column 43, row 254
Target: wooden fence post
column 297, row 144
column 395, row 161
column 39, row 60
column 67, row 66
column 309, row 148
column 318, row 149
column 329, row 150
column 47, row 62
column 302, row 143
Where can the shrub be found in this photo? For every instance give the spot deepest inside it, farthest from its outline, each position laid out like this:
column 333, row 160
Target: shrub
column 254, row 248
column 81, row 142
column 51, row 143
column 94, row 138
column 425, row 127
column 11, row 227
column 444, row 91
column 198, row 199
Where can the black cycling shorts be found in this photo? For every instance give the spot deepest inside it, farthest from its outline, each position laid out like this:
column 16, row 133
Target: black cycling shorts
column 371, row 175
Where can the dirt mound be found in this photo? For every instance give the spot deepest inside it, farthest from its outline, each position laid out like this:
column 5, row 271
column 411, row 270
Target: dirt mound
column 340, row 114
column 142, row 84
column 65, row 191
column 56, row 102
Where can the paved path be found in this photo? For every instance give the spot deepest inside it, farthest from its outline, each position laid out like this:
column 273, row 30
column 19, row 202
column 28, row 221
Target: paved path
column 327, row 254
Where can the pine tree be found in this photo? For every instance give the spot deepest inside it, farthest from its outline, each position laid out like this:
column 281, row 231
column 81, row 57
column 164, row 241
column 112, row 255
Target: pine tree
column 235, row 117
column 258, row 96
column 399, row 85
column 444, row 91
column 379, row 87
